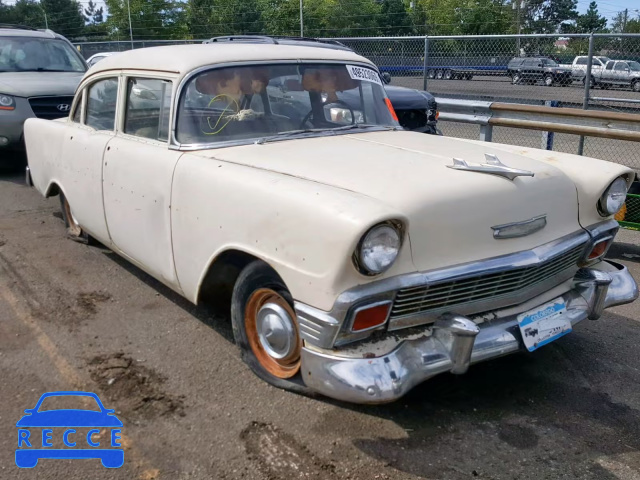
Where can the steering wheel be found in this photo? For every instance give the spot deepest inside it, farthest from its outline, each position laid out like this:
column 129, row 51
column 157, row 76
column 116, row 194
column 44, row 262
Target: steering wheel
column 339, row 103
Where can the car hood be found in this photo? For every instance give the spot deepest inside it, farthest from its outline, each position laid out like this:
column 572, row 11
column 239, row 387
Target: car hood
column 39, row 84
column 69, row 418
column 408, row 99
column 450, row 212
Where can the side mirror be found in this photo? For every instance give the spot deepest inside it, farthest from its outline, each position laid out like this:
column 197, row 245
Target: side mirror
column 386, row 77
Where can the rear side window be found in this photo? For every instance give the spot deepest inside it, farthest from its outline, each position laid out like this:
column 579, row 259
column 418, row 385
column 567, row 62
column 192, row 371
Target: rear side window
column 581, row 61
column 148, row 108
column 610, row 66
column 102, row 97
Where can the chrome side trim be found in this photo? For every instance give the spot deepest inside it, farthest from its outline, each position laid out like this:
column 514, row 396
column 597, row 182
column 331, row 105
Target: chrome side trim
column 520, row 229
column 493, row 167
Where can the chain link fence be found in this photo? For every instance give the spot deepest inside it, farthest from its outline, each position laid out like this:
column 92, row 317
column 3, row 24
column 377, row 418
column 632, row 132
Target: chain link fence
column 532, row 69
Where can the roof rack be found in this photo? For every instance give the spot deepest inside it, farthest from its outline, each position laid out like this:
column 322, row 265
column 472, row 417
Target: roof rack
column 242, row 38
column 17, row 27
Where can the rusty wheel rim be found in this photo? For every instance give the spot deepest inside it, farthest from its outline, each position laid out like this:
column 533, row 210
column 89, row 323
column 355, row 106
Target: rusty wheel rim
column 272, row 333
column 73, row 226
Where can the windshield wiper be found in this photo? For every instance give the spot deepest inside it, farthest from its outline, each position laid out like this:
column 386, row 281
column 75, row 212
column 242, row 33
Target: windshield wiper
column 295, row 133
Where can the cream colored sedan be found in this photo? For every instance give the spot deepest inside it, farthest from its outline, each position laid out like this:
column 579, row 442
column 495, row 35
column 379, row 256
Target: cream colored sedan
column 353, row 258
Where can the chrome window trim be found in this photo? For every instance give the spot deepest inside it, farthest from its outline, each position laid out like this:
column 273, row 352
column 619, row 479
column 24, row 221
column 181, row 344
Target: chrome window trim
column 174, row 144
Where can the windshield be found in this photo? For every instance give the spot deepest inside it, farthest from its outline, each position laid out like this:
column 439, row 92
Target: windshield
column 251, row 103
column 635, row 66
column 549, row 63
column 69, row 402
column 28, row 54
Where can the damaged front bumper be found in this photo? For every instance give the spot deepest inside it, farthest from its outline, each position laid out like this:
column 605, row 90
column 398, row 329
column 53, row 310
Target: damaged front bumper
column 453, row 342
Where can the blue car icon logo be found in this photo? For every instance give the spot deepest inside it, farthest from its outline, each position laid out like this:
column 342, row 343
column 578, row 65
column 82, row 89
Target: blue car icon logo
column 92, row 431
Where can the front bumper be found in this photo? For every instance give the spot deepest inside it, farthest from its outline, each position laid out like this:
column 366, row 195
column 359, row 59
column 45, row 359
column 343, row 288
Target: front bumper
column 454, row 342
column 12, row 123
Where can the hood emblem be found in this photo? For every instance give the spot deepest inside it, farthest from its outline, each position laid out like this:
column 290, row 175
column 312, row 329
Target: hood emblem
column 493, row 166
column 63, row 107
column 520, row 229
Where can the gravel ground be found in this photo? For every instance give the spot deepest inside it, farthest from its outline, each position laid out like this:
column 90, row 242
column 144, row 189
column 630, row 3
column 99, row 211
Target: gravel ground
column 79, row 317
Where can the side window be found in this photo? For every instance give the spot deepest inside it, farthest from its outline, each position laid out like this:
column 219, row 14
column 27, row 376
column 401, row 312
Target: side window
column 102, row 97
column 148, row 108
column 581, row 61
column 610, row 66
column 621, row 66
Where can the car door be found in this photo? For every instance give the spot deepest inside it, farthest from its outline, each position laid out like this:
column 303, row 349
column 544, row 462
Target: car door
column 93, row 127
column 607, row 73
column 138, row 172
column 621, row 73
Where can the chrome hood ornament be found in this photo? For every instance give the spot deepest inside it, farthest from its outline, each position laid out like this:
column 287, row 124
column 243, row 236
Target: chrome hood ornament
column 493, row 166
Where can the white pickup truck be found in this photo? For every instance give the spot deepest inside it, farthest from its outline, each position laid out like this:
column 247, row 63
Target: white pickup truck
column 579, row 66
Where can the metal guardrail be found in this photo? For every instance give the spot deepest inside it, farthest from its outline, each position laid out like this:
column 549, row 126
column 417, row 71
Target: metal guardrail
column 588, row 123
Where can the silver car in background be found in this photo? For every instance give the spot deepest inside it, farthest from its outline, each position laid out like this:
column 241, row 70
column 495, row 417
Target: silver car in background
column 39, row 73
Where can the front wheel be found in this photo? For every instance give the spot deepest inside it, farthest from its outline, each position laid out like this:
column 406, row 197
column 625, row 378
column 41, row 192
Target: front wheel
column 431, row 73
column 516, row 78
column 635, row 86
column 265, row 327
column 548, row 81
column 74, row 230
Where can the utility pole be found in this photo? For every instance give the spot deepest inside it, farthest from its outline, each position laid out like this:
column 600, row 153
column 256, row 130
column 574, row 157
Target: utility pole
column 301, row 21
column 130, row 28
column 518, row 5
column 624, row 20
column 46, row 22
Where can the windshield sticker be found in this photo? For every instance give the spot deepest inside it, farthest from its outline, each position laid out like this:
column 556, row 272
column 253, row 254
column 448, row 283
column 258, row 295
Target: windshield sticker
column 366, row 74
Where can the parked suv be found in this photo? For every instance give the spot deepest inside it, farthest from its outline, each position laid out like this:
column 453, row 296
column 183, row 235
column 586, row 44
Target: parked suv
column 534, row 69
column 417, row 110
column 39, row 73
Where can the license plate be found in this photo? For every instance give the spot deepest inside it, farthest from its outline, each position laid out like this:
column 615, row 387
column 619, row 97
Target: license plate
column 544, row 324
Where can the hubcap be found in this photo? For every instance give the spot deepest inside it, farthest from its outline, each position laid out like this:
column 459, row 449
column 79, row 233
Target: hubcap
column 275, row 331
column 272, row 333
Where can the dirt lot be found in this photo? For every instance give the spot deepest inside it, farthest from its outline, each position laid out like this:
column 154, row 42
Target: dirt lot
column 76, row 317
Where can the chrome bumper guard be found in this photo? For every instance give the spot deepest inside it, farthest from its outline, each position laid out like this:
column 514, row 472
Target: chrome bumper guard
column 453, row 343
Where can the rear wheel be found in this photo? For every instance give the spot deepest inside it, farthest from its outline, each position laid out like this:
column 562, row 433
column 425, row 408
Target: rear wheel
column 439, row 74
column 74, row 230
column 448, row 75
column 635, row 86
column 431, row 73
column 265, row 327
column 516, row 78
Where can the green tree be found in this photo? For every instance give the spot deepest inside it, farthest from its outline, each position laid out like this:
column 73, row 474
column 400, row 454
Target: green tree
column 393, row 19
column 23, row 12
column 150, row 19
column 549, row 16
column 591, row 21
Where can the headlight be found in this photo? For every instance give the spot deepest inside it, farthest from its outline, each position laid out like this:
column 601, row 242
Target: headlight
column 378, row 249
column 613, row 197
column 7, row 102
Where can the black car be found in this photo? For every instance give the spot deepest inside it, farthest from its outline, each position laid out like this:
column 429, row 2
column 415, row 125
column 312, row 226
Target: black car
column 534, row 69
column 417, row 110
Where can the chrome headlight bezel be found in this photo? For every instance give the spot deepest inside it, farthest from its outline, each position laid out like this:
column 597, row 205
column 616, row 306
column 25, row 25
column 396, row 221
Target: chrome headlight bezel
column 613, row 198
column 362, row 256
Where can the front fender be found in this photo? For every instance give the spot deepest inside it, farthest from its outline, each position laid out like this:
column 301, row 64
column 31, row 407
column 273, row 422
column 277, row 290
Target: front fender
column 305, row 230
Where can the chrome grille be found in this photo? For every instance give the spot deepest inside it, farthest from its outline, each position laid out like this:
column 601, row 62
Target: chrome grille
column 424, row 298
column 47, row 107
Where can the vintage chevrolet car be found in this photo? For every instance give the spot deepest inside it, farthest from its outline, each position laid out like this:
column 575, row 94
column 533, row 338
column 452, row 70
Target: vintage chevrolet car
column 357, row 259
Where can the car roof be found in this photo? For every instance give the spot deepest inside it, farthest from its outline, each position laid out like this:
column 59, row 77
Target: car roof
column 280, row 40
column 18, row 31
column 182, row 59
